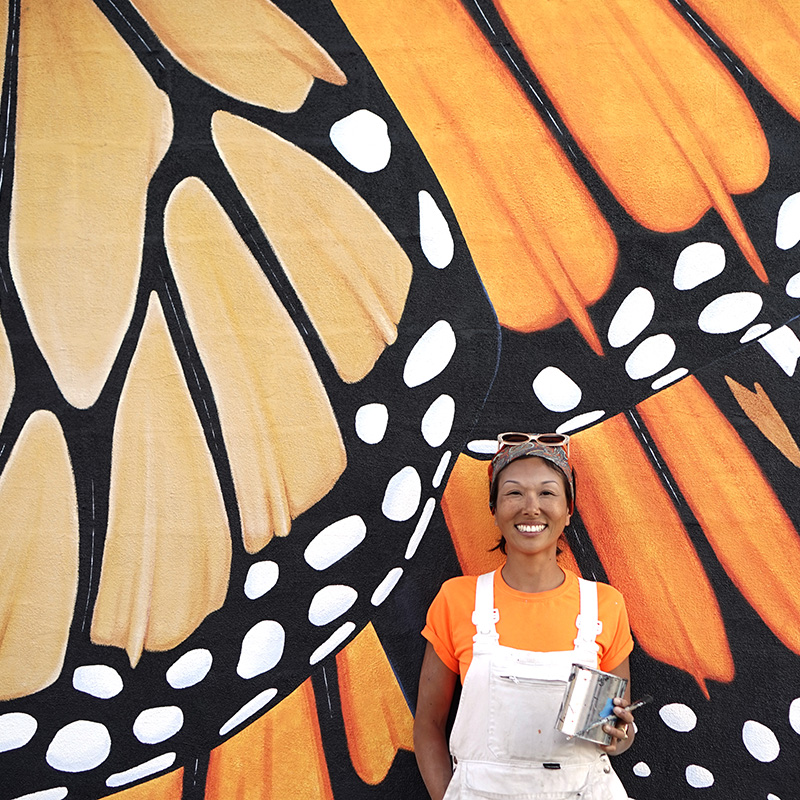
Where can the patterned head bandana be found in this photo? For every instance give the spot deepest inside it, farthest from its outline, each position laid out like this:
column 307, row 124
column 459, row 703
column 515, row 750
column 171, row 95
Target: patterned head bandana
column 556, row 455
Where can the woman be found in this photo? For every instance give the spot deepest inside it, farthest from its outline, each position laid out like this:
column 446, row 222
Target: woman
column 513, row 635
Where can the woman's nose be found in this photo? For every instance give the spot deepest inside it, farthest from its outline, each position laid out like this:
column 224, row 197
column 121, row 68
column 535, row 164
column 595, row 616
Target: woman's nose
column 531, row 503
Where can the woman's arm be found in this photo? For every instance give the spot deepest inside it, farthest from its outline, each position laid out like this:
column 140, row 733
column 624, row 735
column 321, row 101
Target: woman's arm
column 622, row 732
column 436, row 686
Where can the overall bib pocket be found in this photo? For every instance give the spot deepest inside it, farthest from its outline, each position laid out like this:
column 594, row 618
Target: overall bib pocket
column 497, row 782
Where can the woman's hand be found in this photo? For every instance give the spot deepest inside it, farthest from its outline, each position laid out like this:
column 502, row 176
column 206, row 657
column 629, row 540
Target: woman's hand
column 436, row 686
column 621, row 731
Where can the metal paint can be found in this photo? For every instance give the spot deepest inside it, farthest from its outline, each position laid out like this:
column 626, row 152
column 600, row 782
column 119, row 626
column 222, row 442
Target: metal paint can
column 589, row 697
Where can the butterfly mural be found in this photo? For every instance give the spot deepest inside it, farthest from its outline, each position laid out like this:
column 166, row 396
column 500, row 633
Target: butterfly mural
column 277, row 273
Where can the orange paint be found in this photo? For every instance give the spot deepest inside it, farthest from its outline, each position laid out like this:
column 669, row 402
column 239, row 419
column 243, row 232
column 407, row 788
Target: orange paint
column 739, row 512
column 647, row 553
column 765, row 34
column 280, row 755
column 663, row 122
column 538, row 240
column 377, row 719
column 165, row 787
column 465, row 505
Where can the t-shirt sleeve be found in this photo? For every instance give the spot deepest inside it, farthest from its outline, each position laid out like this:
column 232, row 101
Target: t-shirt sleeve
column 616, row 635
column 438, row 628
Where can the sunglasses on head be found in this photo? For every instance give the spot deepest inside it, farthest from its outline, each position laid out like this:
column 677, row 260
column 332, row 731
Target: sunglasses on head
column 551, row 439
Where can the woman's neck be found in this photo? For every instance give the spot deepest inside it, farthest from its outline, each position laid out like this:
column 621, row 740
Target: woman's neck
column 532, row 575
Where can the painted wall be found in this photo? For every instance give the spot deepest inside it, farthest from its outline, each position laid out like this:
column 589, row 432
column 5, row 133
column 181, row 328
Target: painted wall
column 272, row 277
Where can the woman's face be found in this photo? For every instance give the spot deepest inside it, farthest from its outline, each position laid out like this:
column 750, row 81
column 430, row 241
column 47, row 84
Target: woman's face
column 532, row 509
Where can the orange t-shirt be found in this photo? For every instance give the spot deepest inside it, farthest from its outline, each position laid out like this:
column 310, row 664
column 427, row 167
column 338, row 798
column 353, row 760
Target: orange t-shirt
column 541, row 622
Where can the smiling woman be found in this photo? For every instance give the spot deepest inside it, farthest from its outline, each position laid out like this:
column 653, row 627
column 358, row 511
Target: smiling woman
column 533, row 621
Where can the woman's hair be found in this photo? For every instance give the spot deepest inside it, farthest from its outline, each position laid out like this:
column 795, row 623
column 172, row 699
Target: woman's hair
column 501, row 544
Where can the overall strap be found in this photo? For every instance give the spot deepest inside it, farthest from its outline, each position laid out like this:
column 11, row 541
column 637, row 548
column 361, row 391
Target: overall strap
column 588, row 624
column 485, row 616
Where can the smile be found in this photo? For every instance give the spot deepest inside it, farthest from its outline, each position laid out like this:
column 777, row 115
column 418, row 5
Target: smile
column 538, row 528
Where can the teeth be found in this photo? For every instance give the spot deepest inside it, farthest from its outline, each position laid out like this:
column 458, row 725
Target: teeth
column 530, row 528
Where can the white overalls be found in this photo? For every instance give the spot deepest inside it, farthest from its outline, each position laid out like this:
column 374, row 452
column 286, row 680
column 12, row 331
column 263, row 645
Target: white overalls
column 504, row 741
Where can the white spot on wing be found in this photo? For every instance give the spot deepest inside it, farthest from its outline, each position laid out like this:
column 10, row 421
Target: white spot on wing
column 794, row 715
column 16, row 730
column 434, row 232
column 331, row 602
column 402, row 496
column 58, row 793
column 363, row 139
column 157, row 764
column 247, row 710
column 760, row 741
column 98, row 680
column 262, row 648
column 641, row 770
column 793, row 286
column 787, row 230
column 679, row 717
column 580, row 421
column 332, row 642
column 371, row 422
column 698, row 263
column 556, row 390
column 154, row 725
column 699, row 777
column 422, row 526
column 191, row 668
column 80, row 746
column 430, row 355
column 386, row 585
column 633, row 316
column 441, row 469
column 261, row 577
column 650, row 356
column 670, row 377
column 730, row 312
column 483, row 446
column 438, row 420
column 754, row 331
column 784, row 346
column 335, row 541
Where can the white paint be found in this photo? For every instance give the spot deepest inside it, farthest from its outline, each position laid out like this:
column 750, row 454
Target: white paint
column 699, row 777
column 261, row 577
column 402, row 495
column 422, row 526
column 760, row 741
column 154, row 725
column 335, row 541
column 247, row 710
column 771, row 796
column 441, row 469
column 650, row 356
column 793, row 285
column 787, row 229
column 97, row 680
column 58, row 793
column 670, row 377
column 151, row 767
column 698, row 263
column 371, row 422
column 332, row 642
column 262, row 648
column 16, row 730
column 331, row 602
column 730, row 312
column 80, row 746
column 386, row 585
column 633, row 316
column 581, row 421
column 438, row 420
column 483, row 446
column 191, row 668
column 784, row 346
column 363, row 139
column 430, row 355
column 794, row 715
column 679, row 717
column 754, row 331
column 434, row 233
column 642, row 770
column 556, row 390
